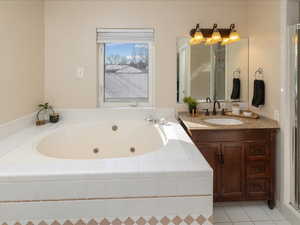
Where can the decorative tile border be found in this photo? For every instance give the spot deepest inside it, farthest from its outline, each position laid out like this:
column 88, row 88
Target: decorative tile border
column 153, row 220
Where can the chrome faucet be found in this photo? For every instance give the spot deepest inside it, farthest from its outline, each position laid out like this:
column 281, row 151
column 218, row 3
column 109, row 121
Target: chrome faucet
column 214, row 109
column 151, row 119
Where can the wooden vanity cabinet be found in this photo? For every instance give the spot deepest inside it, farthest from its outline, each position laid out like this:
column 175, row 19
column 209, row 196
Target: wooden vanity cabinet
column 243, row 162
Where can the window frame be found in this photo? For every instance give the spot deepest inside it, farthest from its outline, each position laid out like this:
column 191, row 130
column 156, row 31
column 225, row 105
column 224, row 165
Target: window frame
column 101, row 79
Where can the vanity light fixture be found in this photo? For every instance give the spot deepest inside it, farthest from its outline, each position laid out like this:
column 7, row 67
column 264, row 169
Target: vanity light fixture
column 234, row 35
column 197, row 37
column 214, row 35
column 198, row 34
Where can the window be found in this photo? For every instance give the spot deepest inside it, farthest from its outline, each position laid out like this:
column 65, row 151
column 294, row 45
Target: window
column 125, row 68
column 126, row 72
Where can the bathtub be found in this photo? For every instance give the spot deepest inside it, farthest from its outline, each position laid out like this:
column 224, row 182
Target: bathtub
column 106, row 167
column 116, row 139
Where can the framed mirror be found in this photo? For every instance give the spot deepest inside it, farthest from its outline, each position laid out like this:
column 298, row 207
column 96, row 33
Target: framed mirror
column 215, row 71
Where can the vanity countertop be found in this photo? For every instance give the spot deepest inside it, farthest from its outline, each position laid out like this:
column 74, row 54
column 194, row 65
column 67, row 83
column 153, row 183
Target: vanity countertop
column 198, row 123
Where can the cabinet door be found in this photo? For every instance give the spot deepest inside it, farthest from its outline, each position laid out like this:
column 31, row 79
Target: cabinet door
column 232, row 171
column 211, row 153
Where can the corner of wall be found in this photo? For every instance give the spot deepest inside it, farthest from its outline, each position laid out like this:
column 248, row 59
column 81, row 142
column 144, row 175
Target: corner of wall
column 22, row 58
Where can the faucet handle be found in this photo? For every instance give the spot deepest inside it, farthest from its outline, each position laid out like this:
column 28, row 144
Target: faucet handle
column 149, row 118
column 162, row 121
column 206, row 112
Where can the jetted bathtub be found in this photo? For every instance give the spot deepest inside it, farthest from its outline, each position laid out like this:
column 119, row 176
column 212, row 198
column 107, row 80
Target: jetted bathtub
column 105, row 167
column 103, row 140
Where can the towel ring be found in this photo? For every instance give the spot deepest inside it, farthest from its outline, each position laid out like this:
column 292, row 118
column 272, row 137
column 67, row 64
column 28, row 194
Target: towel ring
column 259, row 72
column 236, row 73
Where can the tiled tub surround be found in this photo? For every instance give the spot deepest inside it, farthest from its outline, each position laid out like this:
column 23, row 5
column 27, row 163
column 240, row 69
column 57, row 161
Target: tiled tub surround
column 174, row 181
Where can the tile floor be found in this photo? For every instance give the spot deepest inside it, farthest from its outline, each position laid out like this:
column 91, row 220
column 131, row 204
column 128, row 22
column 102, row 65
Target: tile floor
column 246, row 213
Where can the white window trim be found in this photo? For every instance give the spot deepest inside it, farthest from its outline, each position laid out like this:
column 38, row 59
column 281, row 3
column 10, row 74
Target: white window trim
column 151, row 79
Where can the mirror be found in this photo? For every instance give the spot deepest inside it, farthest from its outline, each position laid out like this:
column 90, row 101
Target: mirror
column 213, row 71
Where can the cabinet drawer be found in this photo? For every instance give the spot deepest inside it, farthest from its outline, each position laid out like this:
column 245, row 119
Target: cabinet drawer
column 256, row 169
column 213, row 136
column 257, row 189
column 257, row 151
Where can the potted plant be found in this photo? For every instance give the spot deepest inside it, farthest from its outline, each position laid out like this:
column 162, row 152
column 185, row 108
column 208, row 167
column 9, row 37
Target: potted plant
column 191, row 102
column 48, row 114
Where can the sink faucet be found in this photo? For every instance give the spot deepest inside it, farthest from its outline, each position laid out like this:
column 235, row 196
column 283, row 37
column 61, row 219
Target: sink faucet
column 208, row 100
column 214, row 109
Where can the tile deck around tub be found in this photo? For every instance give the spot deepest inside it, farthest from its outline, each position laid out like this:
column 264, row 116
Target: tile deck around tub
column 153, row 174
column 246, row 213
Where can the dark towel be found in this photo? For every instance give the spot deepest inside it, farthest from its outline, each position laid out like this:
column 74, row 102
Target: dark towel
column 258, row 93
column 236, row 87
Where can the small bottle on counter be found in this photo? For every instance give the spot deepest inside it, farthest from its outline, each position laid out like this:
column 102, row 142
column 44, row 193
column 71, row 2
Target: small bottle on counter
column 236, row 109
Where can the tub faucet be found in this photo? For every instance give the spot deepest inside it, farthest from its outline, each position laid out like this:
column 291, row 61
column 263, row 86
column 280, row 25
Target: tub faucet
column 151, row 119
column 214, row 109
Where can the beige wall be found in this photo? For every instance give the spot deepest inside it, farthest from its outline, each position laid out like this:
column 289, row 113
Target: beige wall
column 21, row 57
column 237, row 57
column 71, row 31
column 265, row 39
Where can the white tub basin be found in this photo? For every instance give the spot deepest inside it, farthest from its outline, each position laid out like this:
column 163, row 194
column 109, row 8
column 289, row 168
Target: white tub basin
column 224, row 121
column 103, row 140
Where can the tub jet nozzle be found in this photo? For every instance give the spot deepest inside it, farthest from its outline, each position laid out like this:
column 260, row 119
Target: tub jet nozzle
column 114, row 127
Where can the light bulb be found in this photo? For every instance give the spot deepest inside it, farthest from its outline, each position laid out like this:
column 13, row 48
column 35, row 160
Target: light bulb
column 234, row 36
column 209, row 41
column 216, row 36
column 198, row 36
column 194, row 41
column 225, row 41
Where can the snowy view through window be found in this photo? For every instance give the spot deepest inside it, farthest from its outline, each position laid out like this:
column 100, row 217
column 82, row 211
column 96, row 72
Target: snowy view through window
column 126, row 72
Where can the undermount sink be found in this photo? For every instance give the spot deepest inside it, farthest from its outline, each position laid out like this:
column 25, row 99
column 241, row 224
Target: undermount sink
column 224, row 121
